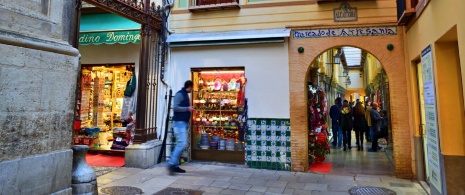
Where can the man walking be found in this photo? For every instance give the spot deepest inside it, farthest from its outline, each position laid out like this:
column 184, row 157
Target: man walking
column 376, row 121
column 334, row 113
column 182, row 114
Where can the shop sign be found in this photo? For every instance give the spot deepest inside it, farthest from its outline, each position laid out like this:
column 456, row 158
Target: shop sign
column 346, row 32
column 112, row 37
column 431, row 119
column 345, row 13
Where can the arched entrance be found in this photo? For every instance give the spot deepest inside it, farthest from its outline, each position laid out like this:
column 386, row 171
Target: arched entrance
column 355, row 78
column 393, row 63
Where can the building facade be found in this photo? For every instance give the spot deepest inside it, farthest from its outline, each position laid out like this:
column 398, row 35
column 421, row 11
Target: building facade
column 308, row 29
column 37, row 87
column 435, row 67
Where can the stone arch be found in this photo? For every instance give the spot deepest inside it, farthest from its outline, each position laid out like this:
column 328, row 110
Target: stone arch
column 394, row 65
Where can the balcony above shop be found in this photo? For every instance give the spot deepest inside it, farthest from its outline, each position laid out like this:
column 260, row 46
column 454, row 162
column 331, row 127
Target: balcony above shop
column 405, row 11
column 205, row 5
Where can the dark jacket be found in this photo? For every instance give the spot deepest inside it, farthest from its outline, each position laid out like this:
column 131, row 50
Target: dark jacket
column 335, row 112
column 345, row 120
column 376, row 120
column 359, row 122
column 181, row 106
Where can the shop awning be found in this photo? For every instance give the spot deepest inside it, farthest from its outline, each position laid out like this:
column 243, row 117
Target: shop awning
column 107, row 29
column 229, row 37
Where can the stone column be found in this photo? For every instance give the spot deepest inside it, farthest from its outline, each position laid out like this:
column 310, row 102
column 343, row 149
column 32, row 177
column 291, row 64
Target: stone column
column 84, row 179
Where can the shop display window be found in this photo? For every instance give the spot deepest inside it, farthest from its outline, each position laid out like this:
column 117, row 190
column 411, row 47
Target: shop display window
column 100, row 104
column 218, row 98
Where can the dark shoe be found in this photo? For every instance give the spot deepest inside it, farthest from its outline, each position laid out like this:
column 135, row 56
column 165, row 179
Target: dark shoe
column 172, row 170
column 371, row 150
column 344, row 148
column 350, row 147
column 361, row 148
column 358, row 148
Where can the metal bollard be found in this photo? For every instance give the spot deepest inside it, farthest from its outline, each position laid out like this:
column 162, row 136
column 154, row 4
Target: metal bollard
column 84, row 179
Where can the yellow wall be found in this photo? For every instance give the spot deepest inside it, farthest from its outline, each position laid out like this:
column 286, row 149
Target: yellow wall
column 436, row 20
column 277, row 14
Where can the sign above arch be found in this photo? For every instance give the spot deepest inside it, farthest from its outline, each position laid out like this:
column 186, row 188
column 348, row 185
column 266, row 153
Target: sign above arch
column 346, row 32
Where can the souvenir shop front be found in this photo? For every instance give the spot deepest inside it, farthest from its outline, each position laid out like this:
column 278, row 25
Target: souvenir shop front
column 219, row 121
column 241, row 96
column 107, row 83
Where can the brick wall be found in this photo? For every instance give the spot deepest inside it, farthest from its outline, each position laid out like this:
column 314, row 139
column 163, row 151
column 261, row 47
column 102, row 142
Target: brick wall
column 393, row 62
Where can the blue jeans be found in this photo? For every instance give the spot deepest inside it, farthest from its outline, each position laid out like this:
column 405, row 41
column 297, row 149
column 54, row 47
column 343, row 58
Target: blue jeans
column 337, row 135
column 180, row 131
column 372, row 133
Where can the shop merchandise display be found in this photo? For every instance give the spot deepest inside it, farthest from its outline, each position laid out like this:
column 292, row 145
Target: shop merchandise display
column 218, row 99
column 318, row 146
column 99, row 105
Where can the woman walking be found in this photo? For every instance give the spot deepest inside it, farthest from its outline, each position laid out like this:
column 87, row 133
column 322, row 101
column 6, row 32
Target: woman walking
column 346, row 124
column 359, row 124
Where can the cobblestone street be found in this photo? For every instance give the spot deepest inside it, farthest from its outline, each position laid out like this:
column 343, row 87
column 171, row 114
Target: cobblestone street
column 236, row 179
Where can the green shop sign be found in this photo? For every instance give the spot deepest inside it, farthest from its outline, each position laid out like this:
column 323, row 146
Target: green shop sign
column 112, row 37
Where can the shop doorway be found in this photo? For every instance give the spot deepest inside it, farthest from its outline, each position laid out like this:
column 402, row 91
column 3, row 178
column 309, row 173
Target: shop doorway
column 104, row 109
column 357, row 78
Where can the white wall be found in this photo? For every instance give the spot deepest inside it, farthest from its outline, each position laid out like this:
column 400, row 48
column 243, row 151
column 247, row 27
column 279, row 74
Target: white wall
column 356, row 81
column 266, row 70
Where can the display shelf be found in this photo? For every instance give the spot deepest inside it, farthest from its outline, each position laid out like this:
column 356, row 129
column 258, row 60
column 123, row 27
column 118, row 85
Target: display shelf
column 216, row 92
column 219, row 110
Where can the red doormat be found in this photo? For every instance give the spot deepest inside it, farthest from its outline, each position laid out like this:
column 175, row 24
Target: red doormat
column 104, row 160
column 321, row 167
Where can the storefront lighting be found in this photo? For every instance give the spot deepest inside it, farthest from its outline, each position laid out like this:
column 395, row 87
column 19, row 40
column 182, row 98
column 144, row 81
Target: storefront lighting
column 337, row 58
column 222, row 72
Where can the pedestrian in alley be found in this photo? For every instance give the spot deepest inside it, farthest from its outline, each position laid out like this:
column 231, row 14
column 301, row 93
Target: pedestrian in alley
column 182, row 114
column 346, row 125
column 360, row 124
column 334, row 113
column 369, row 132
column 376, row 122
column 384, row 125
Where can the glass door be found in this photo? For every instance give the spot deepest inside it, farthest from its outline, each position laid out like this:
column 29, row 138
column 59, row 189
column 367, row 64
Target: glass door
column 423, row 119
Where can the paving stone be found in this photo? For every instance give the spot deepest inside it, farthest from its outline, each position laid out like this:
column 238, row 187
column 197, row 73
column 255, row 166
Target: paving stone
column 268, row 172
column 339, row 177
column 220, row 184
column 238, row 186
column 328, row 193
column 302, row 192
column 288, row 178
column 255, row 181
column 276, row 190
column 276, row 184
column 297, row 186
column 334, row 181
column 241, row 180
column 369, row 179
column 223, row 178
column 232, row 192
column 103, row 181
column 340, row 188
column 258, row 188
column 203, row 182
column 311, row 186
column 210, row 189
column 183, row 186
column 288, row 191
column 289, row 173
column 253, row 193
column 265, row 176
